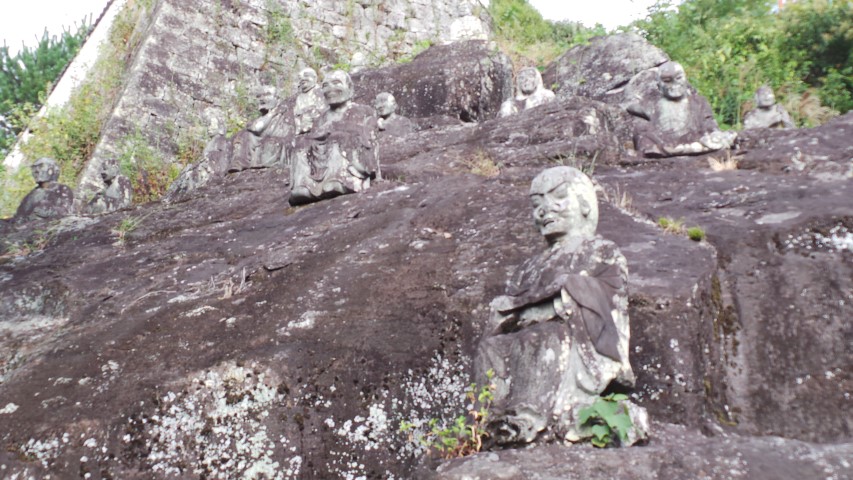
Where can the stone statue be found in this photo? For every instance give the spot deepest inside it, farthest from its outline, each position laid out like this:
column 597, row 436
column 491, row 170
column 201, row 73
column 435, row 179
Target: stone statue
column 767, row 113
column 260, row 144
column 531, row 93
column 389, row 122
column 680, row 122
column 560, row 335
column 310, row 103
column 49, row 199
column 467, row 26
column 338, row 155
column 117, row 194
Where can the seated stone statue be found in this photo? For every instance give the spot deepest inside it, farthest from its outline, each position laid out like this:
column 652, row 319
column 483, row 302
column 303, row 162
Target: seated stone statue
column 467, row 26
column 310, row 103
column 560, row 335
column 767, row 113
column 117, row 194
column 338, row 155
column 260, row 144
column 49, row 199
column 680, row 122
column 531, row 93
column 389, row 122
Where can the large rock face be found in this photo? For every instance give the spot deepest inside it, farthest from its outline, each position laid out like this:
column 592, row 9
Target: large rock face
column 467, row 80
column 230, row 336
column 602, row 69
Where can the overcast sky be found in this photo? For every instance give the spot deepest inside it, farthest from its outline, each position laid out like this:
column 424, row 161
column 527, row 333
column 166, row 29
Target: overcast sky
column 24, row 21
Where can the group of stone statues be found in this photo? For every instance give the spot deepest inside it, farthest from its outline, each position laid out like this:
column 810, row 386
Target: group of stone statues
column 50, row 199
column 678, row 121
column 327, row 141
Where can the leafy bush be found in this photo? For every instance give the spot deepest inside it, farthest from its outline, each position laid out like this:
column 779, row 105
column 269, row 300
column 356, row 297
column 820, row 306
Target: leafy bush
column 607, row 419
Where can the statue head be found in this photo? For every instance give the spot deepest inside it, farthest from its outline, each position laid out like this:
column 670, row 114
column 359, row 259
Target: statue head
column 385, row 104
column 337, row 88
column 45, row 170
column 266, row 99
column 307, row 79
column 672, row 81
column 529, row 80
column 564, row 204
column 109, row 171
column 764, row 97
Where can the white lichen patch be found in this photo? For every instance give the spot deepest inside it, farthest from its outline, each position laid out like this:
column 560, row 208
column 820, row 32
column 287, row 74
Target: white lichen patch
column 44, row 451
column 306, row 320
column 198, row 311
column 439, row 394
column 218, row 428
column 8, row 409
column 838, row 239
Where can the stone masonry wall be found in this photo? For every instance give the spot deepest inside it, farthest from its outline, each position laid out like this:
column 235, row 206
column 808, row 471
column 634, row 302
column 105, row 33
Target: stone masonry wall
column 200, row 60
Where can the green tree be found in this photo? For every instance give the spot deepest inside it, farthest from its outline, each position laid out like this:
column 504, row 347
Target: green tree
column 26, row 77
column 731, row 47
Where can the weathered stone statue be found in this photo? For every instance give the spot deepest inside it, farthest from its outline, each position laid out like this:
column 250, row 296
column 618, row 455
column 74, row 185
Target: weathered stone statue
column 310, row 103
column 467, row 26
column 338, row 155
column 680, row 122
column 389, row 122
column 560, row 335
column 49, row 199
column 767, row 113
column 260, row 144
column 117, row 194
column 531, row 93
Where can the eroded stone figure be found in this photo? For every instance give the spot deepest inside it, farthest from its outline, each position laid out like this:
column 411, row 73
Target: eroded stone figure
column 261, row 143
column 531, row 93
column 117, row 192
column 49, row 199
column 467, row 26
column 310, row 103
column 560, row 335
column 389, row 122
column 767, row 113
column 338, row 155
column 680, row 122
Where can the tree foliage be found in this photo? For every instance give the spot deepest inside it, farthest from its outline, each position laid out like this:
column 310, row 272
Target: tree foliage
column 731, row 47
column 26, row 77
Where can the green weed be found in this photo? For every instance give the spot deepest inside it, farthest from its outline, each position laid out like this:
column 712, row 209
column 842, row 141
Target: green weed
column 607, row 419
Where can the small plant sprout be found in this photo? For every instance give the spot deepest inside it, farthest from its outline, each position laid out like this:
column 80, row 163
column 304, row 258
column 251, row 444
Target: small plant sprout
column 671, row 225
column 696, row 234
column 127, row 225
column 464, row 436
column 607, row 419
column 728, row 163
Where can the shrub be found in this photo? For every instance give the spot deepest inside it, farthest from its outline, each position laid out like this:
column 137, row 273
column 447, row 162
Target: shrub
column 607, row 419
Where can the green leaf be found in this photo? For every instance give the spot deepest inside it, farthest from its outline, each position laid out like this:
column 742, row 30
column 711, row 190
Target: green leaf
column 621, row 424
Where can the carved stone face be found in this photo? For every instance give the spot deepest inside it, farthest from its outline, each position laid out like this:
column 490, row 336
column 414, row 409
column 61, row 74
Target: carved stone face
column 266, row 99
column 337, row 88
column 109, row 172
column 307, row 80
column 764, row 97
column 528, row 80
column 45, row 170
column 385, row 104
column 672, row 81
column 564, row 204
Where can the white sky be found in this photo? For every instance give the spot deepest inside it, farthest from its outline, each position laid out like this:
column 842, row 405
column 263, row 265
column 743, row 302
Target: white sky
column 25, row 20
column 610, row 13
